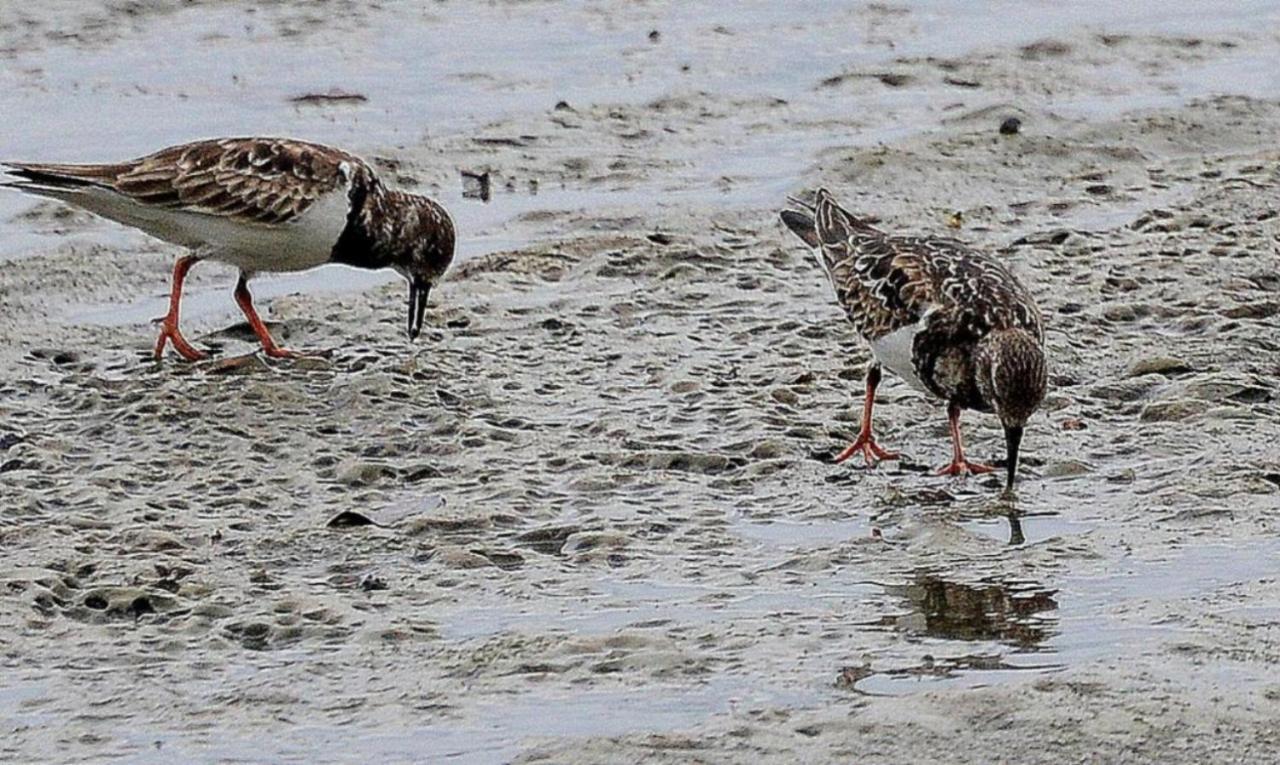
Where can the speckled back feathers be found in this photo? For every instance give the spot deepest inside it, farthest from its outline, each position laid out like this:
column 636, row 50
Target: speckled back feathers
column 947, row 294
column 251, row 180
column 887, row 282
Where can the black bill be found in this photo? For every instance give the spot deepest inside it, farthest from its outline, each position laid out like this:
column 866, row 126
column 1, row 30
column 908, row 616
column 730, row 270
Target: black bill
column 418, row 292
column 1012, row 440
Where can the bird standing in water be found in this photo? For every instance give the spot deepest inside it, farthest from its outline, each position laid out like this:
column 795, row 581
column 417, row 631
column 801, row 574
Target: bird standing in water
column 260, row 204
column 952, row 322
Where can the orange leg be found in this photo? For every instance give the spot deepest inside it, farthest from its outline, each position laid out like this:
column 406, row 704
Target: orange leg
column 269, row 347
column 959, row 465
column 865, row 443
column 169, row 324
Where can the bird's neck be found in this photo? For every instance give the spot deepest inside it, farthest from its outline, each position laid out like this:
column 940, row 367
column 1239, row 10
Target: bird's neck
column 1010, row 371
column 380, row 225
column 361, row 243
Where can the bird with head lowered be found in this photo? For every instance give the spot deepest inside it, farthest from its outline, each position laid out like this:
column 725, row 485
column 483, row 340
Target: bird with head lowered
column 952, row 322
column 261, row 205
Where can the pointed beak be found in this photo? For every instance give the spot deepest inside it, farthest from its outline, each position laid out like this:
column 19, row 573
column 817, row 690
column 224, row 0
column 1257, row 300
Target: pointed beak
column 418, row 292
column 1012, row 440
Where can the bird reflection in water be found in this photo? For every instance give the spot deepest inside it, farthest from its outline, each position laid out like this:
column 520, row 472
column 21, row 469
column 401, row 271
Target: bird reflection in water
column 1004, row 611
column 1016, row 537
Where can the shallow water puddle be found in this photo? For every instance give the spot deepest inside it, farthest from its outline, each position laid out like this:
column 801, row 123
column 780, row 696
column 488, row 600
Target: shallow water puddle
column 1011, row 529
column 640, row 604
column 969, row 634
column 1026, row 529
column 18, row 706
column 491, row 732
column 1082, row 620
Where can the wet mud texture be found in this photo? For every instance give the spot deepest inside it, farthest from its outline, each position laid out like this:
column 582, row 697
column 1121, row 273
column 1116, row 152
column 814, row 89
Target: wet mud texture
column 601, row 483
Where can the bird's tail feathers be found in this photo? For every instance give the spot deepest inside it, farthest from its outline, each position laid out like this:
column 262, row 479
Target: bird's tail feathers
column 801, row 221
column 798, row 202
column 824, row 221
column 45, row 176
column 801, row 224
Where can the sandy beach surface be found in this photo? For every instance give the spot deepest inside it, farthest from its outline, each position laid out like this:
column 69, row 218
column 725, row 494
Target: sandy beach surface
column 591, row 515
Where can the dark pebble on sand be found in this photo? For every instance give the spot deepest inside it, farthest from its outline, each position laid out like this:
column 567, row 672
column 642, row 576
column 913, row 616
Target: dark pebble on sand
column 349, row 519
column 139, row 606
column 895, row 80
column 371, row 583
column 422, row 472
column 256, row 630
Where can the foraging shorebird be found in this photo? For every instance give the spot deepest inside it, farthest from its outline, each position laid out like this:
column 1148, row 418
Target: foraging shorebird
column 951, row 322
column 260, row 204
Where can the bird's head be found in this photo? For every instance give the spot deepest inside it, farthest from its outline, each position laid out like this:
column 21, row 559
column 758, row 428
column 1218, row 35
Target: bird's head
column 423, row 250
column 1012, row 379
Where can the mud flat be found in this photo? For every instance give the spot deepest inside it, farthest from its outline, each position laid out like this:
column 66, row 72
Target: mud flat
column 605, row 525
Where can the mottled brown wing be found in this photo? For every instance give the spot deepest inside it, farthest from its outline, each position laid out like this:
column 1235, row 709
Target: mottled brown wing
column 887, row 282
column 880, row 286
column 980, row 291
column 253, row 180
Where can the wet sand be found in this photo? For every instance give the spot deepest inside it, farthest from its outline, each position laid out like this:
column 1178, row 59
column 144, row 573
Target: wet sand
column 606, row 526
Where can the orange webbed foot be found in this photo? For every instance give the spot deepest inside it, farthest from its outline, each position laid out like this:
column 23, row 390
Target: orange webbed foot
column 962, row 467
column 871, row 451
column 169, row 334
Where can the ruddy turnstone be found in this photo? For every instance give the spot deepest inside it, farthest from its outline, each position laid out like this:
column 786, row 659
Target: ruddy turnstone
column 950, row 321
column 260, row 204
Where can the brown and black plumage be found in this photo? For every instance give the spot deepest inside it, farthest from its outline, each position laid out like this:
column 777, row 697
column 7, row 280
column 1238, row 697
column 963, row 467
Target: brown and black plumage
column 951, row 321
column 260, row 204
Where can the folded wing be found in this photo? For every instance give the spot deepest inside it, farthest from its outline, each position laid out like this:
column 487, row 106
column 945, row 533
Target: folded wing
column 249, row 180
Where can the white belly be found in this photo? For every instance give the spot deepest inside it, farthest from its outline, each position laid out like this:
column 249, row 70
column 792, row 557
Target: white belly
column 305, row 242
column 300, row 244
column 894, row 352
